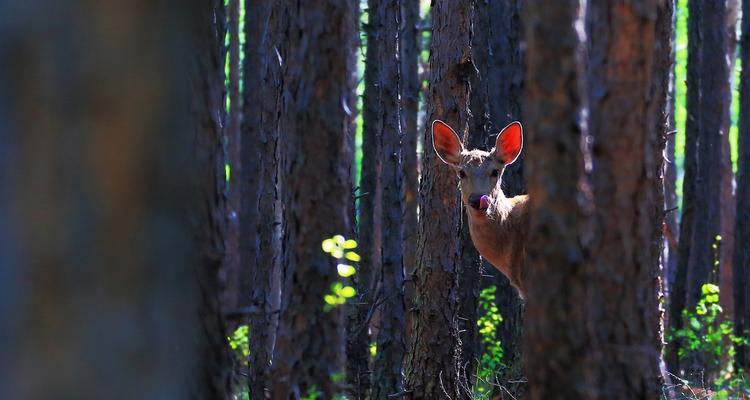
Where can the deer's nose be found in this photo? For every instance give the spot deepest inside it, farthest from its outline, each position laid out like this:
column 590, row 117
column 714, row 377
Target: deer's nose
column 475, row 200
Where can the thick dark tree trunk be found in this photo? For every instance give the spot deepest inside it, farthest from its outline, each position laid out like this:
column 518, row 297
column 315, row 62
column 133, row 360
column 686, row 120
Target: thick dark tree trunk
column 559, row 232
column 495, row 102
column 433, row 363
column 707, row 72
column 741, row 262
column 358, row 340
column 629, row 79
column 259, row 247
column 115, row 147
column 387, row 375
column 315, row 191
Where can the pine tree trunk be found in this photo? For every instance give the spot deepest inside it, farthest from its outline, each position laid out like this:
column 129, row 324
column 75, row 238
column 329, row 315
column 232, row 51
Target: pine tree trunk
column 310, row 342
column 259, row 251
column 629, row 75
column 115, row 209
column 433, row 363
column 387, row 375
column 358, row 341
column 557, row 246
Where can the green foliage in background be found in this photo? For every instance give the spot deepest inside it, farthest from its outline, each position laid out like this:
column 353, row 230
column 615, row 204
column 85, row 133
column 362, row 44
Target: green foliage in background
column 340, row 248
column 491, row 360
column 239, row 342
column 710, row 334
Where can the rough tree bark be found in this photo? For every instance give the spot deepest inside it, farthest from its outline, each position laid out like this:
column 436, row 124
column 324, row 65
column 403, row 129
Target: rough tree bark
column 259, row 247
column 433, row 363
column 115, row 147
column 555, row 331
column 315, row 191
column 707, row 70
column 741, row 262
column 629, row 76
column 495, row 102
column 387, row 366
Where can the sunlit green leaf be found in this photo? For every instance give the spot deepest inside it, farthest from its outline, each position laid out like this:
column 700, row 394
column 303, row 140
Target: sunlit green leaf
column 348, row 292
column 339, row 239
column 349, row 244
column 328, row 245
column 352, row 256
column 345, row 270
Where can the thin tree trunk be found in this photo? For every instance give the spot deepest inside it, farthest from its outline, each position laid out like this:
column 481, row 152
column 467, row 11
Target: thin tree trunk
column 315, row 191
column 628, row 93
column 671, row 224
column 115, row 150
column 358, row 341
column 257, row 180
column 433, row 363
column 495, row 102
column 387, row 374
column 559, row 232
column 741, row 262
column 410, row 40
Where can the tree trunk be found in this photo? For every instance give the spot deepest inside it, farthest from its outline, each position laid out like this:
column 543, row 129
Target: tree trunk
column 707, row 71
column 559, row 233
column 741, row 263
column 310, row 344
column 433, row 364
column 628, row 92
column 259, row 248
column 495, row 102
column 671, row 224
column 706, row 104
column 358, row 341
column 115, row 148
column 387, row 375
column 411, row 86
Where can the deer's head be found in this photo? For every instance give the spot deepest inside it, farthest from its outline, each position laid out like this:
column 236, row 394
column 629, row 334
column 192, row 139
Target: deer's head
column 478, row 171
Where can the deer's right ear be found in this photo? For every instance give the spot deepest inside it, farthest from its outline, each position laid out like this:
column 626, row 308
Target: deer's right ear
column 446, row 143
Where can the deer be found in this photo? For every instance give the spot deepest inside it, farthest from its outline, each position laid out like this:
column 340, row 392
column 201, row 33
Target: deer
column 498, row 225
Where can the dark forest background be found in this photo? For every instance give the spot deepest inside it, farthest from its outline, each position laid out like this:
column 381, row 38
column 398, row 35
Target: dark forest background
column 239, row 199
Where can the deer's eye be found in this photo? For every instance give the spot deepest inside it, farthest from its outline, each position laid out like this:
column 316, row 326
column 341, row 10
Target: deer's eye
column 461, row 174
column 495, row 173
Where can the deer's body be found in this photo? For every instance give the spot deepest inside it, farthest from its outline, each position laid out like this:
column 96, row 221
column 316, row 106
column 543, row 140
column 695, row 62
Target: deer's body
column 498, row 225
column 499, row 234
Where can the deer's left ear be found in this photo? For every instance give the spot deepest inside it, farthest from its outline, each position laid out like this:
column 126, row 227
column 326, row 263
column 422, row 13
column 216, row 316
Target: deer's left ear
column 509, row 143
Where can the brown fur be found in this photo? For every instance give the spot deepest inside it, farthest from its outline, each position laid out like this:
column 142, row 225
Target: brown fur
column 499, row 232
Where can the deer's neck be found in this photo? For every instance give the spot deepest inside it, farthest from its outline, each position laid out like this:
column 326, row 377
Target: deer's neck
column 499, row 234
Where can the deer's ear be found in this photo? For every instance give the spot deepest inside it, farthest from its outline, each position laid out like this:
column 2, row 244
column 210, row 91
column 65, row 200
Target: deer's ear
column 446, row 143
column 509, row 143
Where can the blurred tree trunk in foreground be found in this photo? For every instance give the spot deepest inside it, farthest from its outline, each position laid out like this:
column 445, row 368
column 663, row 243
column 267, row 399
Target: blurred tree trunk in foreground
column 433, row 365
column 109, row 157
column 315, row 190
column 557, row 249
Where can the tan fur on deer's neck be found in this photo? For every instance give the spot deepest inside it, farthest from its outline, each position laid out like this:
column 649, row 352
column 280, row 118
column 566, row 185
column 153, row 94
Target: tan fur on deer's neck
column 499, row 234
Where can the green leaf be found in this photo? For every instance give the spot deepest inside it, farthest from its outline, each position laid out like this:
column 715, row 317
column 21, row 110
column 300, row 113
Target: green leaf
column 328, row 245
column 339, row 239
column 348, row 292
column 330, row 299
column 345, row 270
column 349, row 244
column 352, row 256
column 337, row 253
